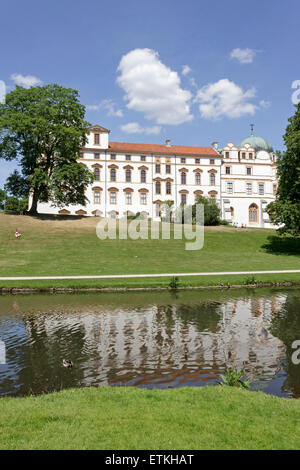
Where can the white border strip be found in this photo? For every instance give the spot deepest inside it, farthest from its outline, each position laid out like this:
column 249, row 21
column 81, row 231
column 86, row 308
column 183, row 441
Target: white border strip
column 127, row 276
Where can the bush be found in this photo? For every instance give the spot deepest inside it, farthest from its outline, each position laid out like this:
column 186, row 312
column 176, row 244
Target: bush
column 174, row 282
column 233, row 378
column 12, row 204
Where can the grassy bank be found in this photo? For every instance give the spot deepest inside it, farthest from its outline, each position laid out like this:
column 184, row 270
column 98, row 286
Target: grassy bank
column 130, row 418
column 71, row 247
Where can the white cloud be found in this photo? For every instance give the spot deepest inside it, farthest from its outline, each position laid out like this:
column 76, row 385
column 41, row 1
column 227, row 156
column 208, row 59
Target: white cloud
column 135, row 128
column 152, row 88
column 264, row 104
column 109, row 106
column 2, row 91
column 244, row 56
column 25, row 81
column 186, row 69
column 225, row 98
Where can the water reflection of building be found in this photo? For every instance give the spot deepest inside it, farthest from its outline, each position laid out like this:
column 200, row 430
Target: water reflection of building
column 165, row 343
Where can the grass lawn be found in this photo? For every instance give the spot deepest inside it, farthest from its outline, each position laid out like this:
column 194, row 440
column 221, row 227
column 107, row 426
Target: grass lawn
column 130, row 418
column 71, row 247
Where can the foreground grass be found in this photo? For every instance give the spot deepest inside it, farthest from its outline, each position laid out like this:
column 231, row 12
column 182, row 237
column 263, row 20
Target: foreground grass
column 71, row 247
column 130, row 418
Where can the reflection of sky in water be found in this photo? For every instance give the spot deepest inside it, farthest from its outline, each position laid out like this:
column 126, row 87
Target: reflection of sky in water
column 186, row 341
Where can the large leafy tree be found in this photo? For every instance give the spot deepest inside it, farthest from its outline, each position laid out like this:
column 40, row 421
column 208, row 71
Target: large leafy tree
column 285, row 210
column 43, row 128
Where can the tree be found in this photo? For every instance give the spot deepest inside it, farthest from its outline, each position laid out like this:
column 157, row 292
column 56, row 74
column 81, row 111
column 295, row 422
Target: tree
column 2, row 198
column 43, row 128
column 285, row 210
column 212, row 212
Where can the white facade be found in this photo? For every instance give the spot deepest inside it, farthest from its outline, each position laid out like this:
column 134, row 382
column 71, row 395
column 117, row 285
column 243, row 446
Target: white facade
column 131, row 178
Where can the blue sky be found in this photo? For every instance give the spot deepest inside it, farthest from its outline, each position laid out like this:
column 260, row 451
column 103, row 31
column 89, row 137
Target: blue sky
column 127, row 61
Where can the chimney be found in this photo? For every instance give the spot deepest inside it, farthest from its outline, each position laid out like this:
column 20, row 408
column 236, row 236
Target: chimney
column 215, row 145
column 168, row 143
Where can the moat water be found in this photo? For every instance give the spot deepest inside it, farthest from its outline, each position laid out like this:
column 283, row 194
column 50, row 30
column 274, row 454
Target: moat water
column 150, row 339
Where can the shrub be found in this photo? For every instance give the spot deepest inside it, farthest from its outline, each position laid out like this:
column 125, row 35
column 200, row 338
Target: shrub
column 174, row 282
column 233, row 378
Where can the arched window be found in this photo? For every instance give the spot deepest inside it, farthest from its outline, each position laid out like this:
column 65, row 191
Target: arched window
column 183, row 178
column 253, row 213
column 112, row 174
column 157, row 187
column 197, row 178
column 97, row 174
column 143, row 176
column 168, row 187
column 212, row 179
column 128, row 176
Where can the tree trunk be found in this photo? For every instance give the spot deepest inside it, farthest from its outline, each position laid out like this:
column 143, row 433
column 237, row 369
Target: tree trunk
column 34, row 203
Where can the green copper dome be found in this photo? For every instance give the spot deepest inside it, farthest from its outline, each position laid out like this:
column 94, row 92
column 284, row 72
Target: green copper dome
column 258, row 143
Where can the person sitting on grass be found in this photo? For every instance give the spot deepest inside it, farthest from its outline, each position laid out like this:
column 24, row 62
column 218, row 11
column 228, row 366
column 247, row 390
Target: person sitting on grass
column 17, row 233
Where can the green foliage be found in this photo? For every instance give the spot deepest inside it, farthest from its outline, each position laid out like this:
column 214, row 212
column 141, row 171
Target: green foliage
column 233, row 378
column 212, row 212
column 13, row 204
column 2, row 198
column 286, row 209
column 43, row 128
column 174, row 283
column 250, row 280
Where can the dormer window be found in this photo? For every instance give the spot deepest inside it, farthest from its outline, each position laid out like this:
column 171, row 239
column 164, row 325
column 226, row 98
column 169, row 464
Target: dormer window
column 226, row 154
column 250, row 156
column 96, row 139
column 244, row 155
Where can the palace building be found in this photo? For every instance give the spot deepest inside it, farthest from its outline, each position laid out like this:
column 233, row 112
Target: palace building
column 132, row 177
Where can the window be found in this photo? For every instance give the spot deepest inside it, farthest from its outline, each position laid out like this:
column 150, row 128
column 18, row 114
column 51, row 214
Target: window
column 211, row 161
column 81, row 155
column 96, row 197
column 97, row 174
column 128, row 157
column 197, row 161
column 229, row 188
column 261, row 189
column 128, row 198
column 157, row 187
column 157, row 168
column 227, row 170
column 157, row 210
column 143, row 176
column 113, row 156
column 143, row 198
column 212, row 179
column 226, row 154
column 249, row 170
column 243, row 155
column 183, row 178
column 128, row 176
column 113, row 197
column 112, row 174
column 168, row 187
column 168, row 169
column 253, row 214
column 232, row 212
column 274, row 188
column 182, row 160
column 183, row 198
column 197, row 178
column 248, row 188
column 96, row 139
column 143, row 158
column 96, row 156
column 250, row 156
